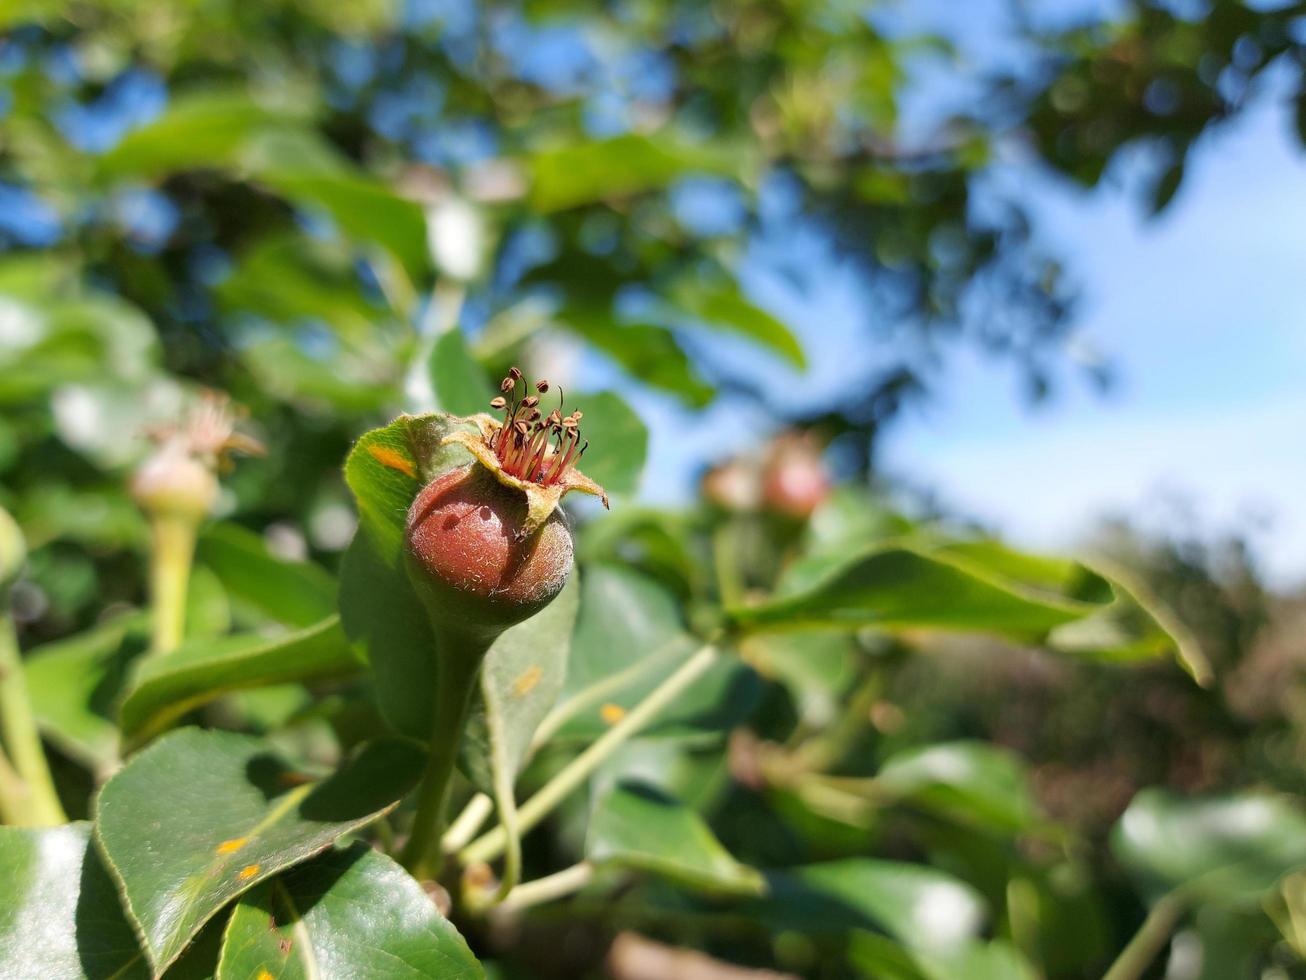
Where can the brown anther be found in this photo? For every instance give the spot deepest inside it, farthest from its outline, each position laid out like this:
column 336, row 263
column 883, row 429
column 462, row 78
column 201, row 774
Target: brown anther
column 520, row 427
column 530, row 401
column 515, row 374
column 507, row 385
column 541, row 386
column 499, row 403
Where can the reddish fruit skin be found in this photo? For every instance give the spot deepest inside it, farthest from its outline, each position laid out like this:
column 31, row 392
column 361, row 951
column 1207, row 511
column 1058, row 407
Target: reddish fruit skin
column 469, row 559
column 794, row 480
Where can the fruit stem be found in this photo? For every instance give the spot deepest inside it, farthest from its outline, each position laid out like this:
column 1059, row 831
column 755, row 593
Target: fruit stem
column 490, row 845
column 560, row 884
column 1150, row 939
column 172, row 550
column 457, row 667
column 37, row 804
column 467, row 823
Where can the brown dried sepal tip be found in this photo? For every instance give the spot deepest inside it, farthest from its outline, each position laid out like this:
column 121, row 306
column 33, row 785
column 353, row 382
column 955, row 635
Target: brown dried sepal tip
column 530, row 451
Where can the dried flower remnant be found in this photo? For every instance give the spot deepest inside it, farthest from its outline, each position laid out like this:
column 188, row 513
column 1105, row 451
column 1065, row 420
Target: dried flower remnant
column 486, row 542
column 529, row 450
column 180, row 476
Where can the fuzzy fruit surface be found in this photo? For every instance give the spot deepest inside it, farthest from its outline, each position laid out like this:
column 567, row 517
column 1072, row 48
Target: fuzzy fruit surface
column 469, row 559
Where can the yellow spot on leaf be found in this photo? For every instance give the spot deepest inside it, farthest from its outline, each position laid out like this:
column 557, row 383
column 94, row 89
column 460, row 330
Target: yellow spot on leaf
column 523, row 685
column 264, row 975
column 393, row 459
column 233, row 845
column 249, row 871
column 612, row 713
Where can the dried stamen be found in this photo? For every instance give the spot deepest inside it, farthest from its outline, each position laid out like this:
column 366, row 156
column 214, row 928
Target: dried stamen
column 530, row 445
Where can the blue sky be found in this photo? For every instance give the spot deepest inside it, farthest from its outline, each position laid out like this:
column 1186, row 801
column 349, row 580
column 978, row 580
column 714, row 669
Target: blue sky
column 1202, row 312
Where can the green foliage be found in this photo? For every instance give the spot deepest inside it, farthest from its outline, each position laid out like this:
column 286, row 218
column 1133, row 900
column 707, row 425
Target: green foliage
column 1224, row 850
column 720, row 688
column 320, row 920
column 635, row 826
column 164, row 689
column 63, row 919
column 178, row 859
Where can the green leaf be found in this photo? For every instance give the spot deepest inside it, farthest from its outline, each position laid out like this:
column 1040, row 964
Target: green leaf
column 460, row 383
column 722, row 305
column 626, row 619
column 618, row 442
column 199, row 817
column 817, row 667
column 879, row 957
column 585, row 173
column 198, row 671
column 1133, row 625
column 656, row 541
column 636, row 826
column 297, row 593
column 629, row 637
column 389, row 466
column 364, row 209
column 66, row 340
column 74, row 686
column 520, row 679
column 198, row 130
column 346, row 381
column 379, row 610
column 972, row 782
column 1225, row 849
column 644, row 351
column 900, row 587
column 287, row 279
column 61, row 916
column 350, row 913
column 912, row 903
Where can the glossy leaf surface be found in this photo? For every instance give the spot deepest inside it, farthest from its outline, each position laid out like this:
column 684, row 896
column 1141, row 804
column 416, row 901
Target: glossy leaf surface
column 200, row 817
column 349, row 914
column 165, row 688
column 636, row 826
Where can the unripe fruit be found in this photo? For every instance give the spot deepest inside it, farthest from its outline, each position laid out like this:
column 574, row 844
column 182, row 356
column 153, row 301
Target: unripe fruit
column 179, row 479
column 174, row 482
column 794, row 478
column 486, row 545
column 472, row 558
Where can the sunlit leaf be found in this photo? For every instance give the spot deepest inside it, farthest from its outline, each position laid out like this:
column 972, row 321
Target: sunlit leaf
column 200, row 817
column 636, row 826
column 320, row 920
column 1228, row 849
column 165, row 688
column 460, row 383
column 297, row 593
column 198, row 130
column 74, row 685
column 61, row 917
column 584, row 173
column 649, row 353
column 972, row 782
column 918, row 906
column 520, row 679
column 723, row 306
